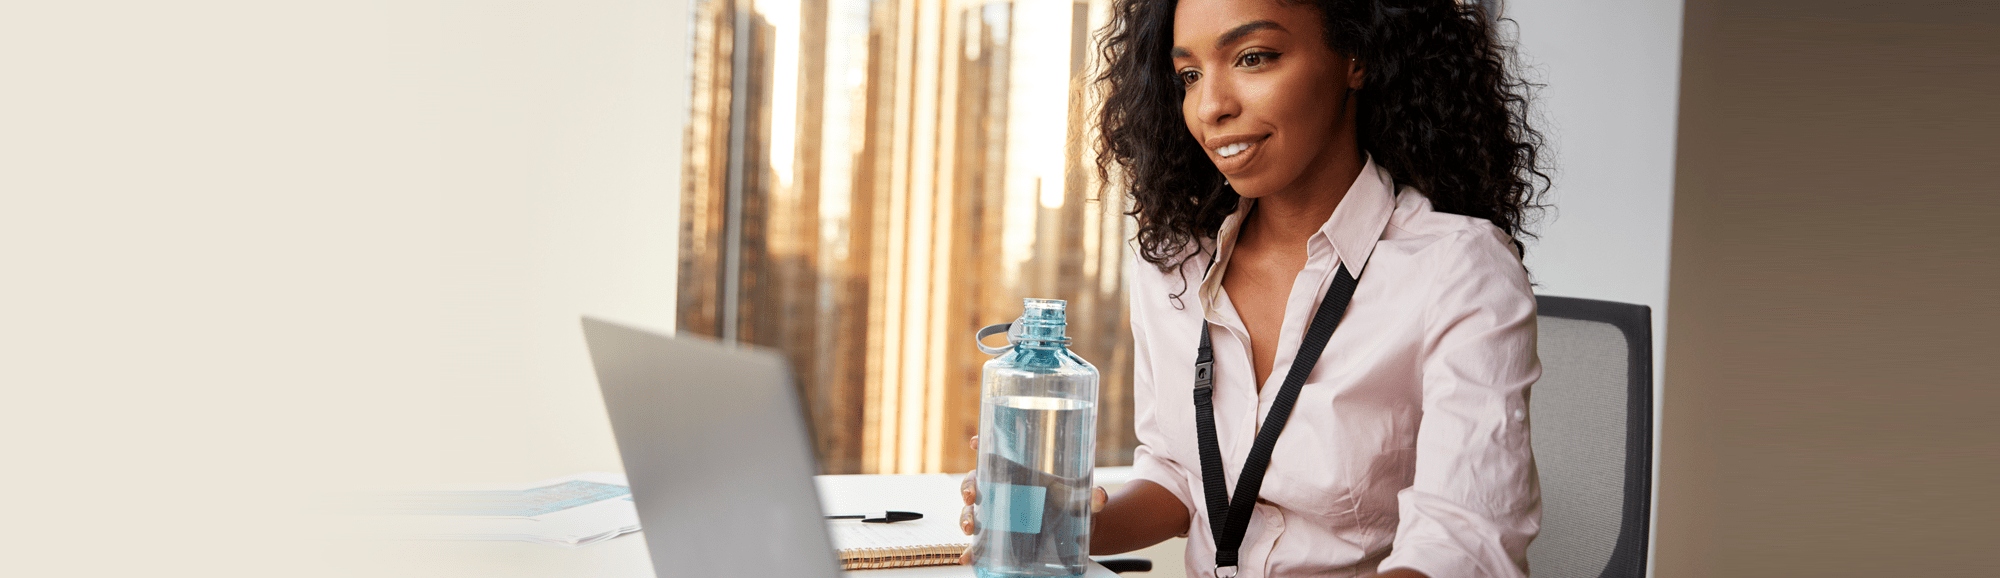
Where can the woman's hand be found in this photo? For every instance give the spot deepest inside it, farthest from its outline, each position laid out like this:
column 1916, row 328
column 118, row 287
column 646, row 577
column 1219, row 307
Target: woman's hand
column 969, row 491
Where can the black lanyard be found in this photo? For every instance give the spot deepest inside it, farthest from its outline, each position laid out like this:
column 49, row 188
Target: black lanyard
column 1228, row 519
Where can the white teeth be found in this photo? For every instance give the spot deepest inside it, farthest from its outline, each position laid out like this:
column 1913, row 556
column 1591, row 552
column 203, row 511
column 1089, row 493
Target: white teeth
column 1231, row 150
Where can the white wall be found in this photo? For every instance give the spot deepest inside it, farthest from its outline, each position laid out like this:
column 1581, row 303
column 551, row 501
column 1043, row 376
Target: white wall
column 253, row 255
column 1612, row 70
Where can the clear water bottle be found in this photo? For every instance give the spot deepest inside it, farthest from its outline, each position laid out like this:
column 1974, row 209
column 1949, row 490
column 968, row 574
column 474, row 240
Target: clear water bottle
column 1037, row 448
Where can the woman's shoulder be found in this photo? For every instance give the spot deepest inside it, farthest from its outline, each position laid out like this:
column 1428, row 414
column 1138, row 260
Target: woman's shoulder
column 1422, row 231
column 1191, row 257
column 1182, row 280
column 1453, row 253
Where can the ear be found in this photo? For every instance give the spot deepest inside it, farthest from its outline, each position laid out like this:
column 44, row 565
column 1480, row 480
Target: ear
column 1356, row 72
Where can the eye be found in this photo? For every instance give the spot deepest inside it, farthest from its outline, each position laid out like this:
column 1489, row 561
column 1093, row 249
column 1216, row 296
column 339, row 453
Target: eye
column 1188, row 76
column 1256, row 59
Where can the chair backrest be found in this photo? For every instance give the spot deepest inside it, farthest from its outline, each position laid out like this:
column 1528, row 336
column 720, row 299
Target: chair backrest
column 1592, row 420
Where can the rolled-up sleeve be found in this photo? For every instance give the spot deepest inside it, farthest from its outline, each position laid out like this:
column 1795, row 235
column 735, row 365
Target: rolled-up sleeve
column 1475, row 502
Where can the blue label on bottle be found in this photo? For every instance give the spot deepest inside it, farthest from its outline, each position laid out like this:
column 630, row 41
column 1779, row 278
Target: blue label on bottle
column 1019, row 508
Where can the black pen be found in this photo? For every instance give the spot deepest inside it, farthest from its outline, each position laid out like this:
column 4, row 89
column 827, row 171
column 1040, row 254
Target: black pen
column 881, row 517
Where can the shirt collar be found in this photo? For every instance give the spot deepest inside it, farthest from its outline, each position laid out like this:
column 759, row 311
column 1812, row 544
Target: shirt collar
column 1357, row 222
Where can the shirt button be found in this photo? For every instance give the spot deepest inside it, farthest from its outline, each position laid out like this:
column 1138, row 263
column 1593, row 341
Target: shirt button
column 1520, row 415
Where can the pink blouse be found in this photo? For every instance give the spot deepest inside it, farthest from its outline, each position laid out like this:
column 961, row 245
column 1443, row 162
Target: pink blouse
column 1409, row 443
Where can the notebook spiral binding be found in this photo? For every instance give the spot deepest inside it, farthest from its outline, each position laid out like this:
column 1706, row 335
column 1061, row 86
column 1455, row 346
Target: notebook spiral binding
column 900, row 556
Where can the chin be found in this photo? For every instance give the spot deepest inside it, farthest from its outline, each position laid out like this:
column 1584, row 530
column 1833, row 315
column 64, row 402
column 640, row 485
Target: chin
column 1248, row 188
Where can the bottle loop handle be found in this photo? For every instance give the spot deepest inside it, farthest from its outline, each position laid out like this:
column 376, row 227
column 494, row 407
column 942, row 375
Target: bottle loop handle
column 1006, row 328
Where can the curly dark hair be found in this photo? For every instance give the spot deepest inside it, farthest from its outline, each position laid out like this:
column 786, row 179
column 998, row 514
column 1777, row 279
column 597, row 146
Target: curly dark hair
column 1440, row 108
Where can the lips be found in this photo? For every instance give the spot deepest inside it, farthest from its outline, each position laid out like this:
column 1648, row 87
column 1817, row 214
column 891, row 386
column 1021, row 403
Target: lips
column 1233, row 152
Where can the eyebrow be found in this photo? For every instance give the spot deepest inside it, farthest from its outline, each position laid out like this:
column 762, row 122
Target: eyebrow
column 1233, row 35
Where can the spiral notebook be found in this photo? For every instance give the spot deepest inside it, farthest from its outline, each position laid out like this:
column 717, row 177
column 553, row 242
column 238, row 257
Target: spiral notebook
column 933, row 540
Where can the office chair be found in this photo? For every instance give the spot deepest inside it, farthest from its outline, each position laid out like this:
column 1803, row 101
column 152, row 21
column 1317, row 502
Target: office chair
column 1592, row 425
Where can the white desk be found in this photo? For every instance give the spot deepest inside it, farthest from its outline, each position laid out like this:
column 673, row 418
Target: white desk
column 622, row 557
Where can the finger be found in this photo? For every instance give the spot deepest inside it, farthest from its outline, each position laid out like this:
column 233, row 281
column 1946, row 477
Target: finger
column 967, row 490
column 965, row 521
column 1097, row 499
column 975, row 442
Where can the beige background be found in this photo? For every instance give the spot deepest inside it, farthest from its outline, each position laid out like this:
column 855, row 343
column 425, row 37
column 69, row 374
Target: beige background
column 1832, row 399
column 256, row 254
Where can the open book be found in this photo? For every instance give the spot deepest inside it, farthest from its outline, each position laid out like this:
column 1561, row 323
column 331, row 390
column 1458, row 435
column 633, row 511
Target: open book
column 933, row 540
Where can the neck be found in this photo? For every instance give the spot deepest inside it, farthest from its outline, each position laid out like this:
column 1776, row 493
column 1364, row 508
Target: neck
column 1292, row 216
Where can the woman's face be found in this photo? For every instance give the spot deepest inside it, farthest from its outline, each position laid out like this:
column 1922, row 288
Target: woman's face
column 1268, row 101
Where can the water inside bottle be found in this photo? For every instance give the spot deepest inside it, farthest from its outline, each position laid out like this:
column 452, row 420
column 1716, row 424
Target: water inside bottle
column 1035, row 486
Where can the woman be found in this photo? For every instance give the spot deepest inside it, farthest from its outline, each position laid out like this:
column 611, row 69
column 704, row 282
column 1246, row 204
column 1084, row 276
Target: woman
column 1272, row 148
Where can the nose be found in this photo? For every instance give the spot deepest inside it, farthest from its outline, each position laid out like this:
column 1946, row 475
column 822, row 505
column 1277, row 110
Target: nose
column 1215, row 100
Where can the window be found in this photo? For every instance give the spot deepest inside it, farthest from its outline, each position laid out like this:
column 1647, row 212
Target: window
column 869, row 182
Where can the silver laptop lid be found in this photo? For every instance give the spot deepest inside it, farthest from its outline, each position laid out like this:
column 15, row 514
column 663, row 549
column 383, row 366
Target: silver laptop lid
column 715, row 448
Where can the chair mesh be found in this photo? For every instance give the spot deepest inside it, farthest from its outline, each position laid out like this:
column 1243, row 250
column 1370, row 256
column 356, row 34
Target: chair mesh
column 1579, row 429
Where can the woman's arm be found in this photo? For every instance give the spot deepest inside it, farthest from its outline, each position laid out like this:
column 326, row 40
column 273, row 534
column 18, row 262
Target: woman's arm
column 1474, row 503
column 1142, row 514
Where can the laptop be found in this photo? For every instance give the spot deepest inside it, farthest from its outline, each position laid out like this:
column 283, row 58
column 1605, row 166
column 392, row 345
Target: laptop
column 714, row 443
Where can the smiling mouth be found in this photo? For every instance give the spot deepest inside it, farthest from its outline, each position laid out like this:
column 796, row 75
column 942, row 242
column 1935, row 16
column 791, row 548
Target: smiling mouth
column 1232, row 150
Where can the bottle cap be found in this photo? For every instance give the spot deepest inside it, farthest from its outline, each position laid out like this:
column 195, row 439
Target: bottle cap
column 1041, row 320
